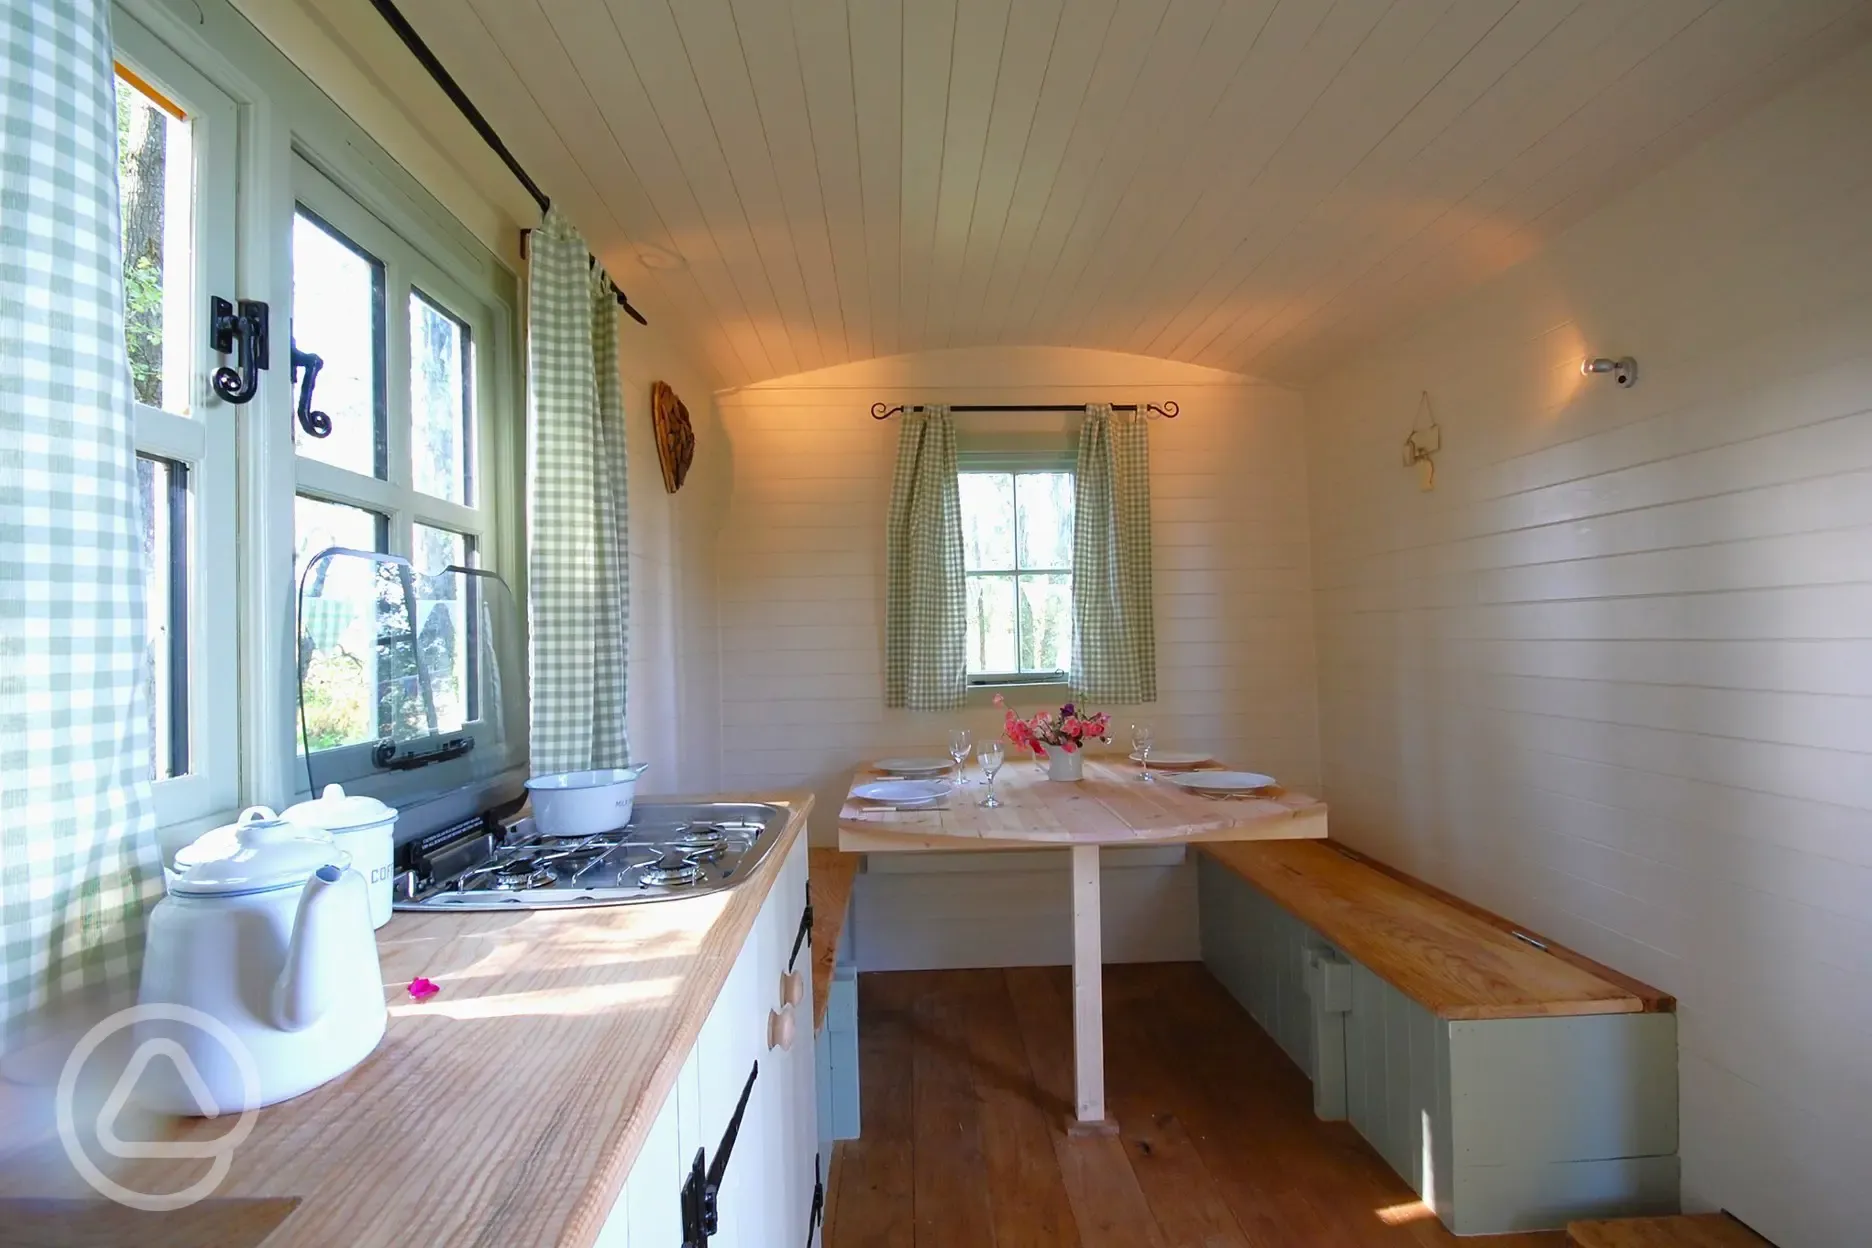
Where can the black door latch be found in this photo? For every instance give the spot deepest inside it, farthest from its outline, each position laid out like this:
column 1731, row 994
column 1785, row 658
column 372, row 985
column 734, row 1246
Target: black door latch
column 243, row 334
column 701, row 1192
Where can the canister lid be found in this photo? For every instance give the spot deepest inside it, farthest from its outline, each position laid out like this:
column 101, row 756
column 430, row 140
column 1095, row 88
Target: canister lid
column 336, row 811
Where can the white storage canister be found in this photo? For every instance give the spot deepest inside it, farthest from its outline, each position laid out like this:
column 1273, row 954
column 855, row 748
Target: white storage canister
column 364, row 827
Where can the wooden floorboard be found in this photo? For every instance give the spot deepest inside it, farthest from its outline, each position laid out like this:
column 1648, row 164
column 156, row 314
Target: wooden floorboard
column 967, row 1086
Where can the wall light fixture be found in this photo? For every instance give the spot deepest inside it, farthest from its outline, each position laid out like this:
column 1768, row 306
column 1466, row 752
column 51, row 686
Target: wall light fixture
column 1624, row 372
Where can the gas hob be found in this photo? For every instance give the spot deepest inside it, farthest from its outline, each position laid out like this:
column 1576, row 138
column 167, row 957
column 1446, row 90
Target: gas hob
column 667, row 851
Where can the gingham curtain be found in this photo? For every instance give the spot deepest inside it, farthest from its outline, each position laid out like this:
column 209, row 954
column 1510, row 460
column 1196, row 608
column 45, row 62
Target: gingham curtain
column 925, row 615
column 1114, row 636
column 78, row 853
column 578, row 566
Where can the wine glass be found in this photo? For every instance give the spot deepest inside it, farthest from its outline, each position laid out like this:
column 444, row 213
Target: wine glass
column 960, row 741
column 990, row 757
column 1141, row 747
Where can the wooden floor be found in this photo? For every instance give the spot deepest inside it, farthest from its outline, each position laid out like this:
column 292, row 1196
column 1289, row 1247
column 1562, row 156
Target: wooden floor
column 967, row 1082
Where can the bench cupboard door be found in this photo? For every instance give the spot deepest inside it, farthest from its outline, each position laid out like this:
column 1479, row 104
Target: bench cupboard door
column 1396, row 1096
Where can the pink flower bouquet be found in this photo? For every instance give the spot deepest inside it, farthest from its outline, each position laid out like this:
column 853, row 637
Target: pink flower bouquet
column 1067, row 729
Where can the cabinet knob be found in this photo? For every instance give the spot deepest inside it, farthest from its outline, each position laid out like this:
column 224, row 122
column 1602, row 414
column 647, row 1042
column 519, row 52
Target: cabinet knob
column 793, row 988
column 780, row 1028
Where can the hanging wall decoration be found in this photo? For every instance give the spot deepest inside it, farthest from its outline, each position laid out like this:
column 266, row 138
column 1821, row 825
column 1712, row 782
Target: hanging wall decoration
column 674, row 436
column 1423, row 441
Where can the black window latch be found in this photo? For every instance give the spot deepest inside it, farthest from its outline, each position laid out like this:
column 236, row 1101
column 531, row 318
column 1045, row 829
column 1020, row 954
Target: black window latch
column 244, row 335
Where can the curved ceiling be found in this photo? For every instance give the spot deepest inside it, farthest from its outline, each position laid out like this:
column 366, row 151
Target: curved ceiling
column 1255, row 185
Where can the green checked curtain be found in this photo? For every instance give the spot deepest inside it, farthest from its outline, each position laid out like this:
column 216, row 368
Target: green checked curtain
column 925, row 616
column 78, row 854
column 578, row 566
column 1114, row 637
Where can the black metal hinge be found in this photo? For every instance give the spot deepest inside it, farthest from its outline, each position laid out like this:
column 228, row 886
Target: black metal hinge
column 805, row 930
column 818, row 1201
column 701, row 1191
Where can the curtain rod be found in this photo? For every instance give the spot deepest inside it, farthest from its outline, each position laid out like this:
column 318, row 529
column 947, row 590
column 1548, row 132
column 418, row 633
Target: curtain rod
column 459, row 98
column 1167, row 409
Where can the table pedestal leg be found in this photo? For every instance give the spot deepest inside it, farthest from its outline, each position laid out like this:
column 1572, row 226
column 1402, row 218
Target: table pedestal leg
column 1088, row 998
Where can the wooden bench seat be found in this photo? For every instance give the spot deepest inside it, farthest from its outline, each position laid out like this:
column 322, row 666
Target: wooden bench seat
column 1455, row 960
column 832, row 873
column 1515, row 1086
column 1697, row 1230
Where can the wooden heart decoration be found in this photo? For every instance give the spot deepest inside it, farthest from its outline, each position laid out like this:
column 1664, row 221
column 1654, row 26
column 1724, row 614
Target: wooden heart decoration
column 675, row 437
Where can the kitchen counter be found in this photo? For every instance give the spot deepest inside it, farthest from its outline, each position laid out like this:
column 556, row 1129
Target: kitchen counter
column 508, row 1108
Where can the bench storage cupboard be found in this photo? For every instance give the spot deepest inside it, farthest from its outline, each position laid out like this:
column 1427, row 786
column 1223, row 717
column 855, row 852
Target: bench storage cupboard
column 1512, row 1088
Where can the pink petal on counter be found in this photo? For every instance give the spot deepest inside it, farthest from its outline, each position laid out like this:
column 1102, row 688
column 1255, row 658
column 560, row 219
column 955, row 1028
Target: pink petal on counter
column 422, row 989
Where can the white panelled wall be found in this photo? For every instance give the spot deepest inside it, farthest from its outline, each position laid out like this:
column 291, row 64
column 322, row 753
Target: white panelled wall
column 801, row 562
column 1614, row 676
column 674, row 695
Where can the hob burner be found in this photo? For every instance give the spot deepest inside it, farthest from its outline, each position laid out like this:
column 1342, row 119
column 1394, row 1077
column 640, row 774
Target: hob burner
column 672, row 870
column 701, row 840
column 526, row 871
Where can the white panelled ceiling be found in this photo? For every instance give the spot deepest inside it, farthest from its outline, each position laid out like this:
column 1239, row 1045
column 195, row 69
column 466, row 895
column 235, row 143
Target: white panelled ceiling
column 1255, row 185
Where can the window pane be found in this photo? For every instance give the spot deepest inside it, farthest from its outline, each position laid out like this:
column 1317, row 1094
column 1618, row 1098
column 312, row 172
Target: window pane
column 445, row 633
column 339, row 644
column 163, row 489
column 1045, row 623
column 442, row 438
column 987, row 520
column 991, row 624
column 155, row 182
column 338, row 316
column 1045, row 506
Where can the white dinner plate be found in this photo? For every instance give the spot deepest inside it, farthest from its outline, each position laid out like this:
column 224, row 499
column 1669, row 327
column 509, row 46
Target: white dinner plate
column 1223, row 781
column 904, row 792
column 914, row 766
column 1175, row 758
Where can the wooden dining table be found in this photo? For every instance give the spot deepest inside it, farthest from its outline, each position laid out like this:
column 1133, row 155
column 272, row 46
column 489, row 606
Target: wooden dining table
column 1111, row 806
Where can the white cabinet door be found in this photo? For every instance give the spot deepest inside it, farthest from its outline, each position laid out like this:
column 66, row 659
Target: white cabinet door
column 648, row 1212
column 766, row 1193
column 733, row 1040
column 799, row 1144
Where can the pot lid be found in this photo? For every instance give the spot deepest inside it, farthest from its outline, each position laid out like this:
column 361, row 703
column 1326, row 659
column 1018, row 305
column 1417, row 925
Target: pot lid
column 336, row 811
column 258, row 852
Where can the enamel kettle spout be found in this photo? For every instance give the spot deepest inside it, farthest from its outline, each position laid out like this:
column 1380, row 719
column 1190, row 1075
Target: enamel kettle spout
column 312, row 979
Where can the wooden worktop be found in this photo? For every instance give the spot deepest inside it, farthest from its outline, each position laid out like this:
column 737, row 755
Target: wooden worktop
column 1451, row 958
column 1109, row 807
column 832, row 873
column 509, row 1107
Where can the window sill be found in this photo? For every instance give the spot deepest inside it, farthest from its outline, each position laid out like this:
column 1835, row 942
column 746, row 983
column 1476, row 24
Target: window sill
column 1046, row 690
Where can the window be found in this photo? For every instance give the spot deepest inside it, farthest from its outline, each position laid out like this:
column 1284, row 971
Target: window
column 338, row 314
column 240, row 179
column 396, row 476
column 1017, row 532
column 176, row 191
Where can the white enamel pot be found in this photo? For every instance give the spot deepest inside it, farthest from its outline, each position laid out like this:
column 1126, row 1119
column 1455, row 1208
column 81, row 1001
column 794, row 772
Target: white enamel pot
column 581, row 803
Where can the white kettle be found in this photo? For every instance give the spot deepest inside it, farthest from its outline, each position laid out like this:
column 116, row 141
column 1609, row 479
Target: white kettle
column 260, row 976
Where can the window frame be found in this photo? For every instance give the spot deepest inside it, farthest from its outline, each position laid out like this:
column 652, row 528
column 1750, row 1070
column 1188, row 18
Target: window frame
column 407, row 274
column 280, row 118
column 1016, row 466
column 204, row 441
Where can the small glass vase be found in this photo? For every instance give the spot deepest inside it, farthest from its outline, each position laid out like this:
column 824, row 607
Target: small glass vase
column 1064, row 766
